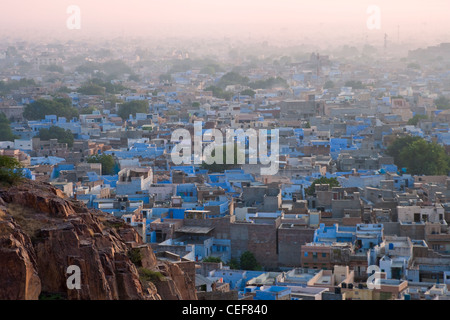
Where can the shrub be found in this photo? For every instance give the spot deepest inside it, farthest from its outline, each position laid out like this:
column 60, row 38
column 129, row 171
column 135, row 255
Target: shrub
column 150, row 275
column 10, row 171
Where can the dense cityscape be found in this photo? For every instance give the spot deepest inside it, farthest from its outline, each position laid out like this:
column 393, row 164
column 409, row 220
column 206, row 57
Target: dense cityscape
column 227, row 169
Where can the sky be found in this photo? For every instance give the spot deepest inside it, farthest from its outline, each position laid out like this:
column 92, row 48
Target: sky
column 412, row 19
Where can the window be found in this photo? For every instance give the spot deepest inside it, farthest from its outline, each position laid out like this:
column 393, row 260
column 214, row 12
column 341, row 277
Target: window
column 306, row 254
column 324, row 255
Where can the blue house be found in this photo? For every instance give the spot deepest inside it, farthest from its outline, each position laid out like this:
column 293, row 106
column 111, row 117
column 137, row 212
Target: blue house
column 188, row 192
column 273, row 293
column 334, row 233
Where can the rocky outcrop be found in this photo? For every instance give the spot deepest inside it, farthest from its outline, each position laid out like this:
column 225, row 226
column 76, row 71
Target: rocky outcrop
column 42, row 233
column 18, row 268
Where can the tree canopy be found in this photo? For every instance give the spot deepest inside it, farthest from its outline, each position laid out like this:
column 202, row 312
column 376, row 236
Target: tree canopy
column 133, row 107
column 108, row 163
column 10, row 170
column 355, row 84
column 249, row 262
column 333, row 182
column 415, row 120
column 221, row 167
column 419, row 156
column 109, row 69
column 7, row 86
column 6, row 133
column 54, row 132
column 269, row 83
column 328, row 85
column 98, row 87
column 442, row 103
column 220, row 93
column 61, row 107
column 232, row 78
column 248, row 92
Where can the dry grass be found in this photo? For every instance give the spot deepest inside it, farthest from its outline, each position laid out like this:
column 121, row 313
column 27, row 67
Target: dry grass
column 27, row 219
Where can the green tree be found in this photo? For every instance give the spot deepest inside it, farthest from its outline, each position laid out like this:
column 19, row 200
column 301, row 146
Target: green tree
column 134, row 77
column 442, row 103
column 87, row 110
column 54, row 68
column 92, row 89
column 413, row 65
column 98, row 87
column 396, row 147
column 208, row 70
column 7, row 86
column 248, row 92
column 355, row 84
column 166, row 77
column 6, row 133
column 249, row 262
column 108, row 163
column 108, row 70
column 234, row 264
column 415, row 120
column 212, row 259
column 333, row 182
column 419, row 156
column 221, row 167
column 269, row 83
column 220, row 93
column 232, row 78
column 54, row 132
column 328, row 85
column 133, row 107
column 61, row 107
column 10, row 170
column 425, row 158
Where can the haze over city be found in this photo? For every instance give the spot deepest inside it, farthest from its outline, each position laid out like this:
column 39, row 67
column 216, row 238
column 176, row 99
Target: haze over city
column 322, row 22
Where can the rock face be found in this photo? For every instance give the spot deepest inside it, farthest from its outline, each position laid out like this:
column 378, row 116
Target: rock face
column 42, row 233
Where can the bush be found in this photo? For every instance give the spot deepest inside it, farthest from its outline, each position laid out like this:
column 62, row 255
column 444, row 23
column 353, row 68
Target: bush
column 212, row 259
column 10, row 171
column 150, row 275
column 333, row 182
column 135, row 256
column 248, row 261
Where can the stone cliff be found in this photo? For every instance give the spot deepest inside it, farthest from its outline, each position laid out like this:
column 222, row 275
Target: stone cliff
column 42, row 233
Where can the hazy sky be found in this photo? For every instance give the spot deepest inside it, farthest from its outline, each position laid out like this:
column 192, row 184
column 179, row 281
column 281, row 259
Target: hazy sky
column 416, row 18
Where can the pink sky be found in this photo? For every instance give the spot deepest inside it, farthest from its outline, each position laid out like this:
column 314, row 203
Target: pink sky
column 146, row 17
